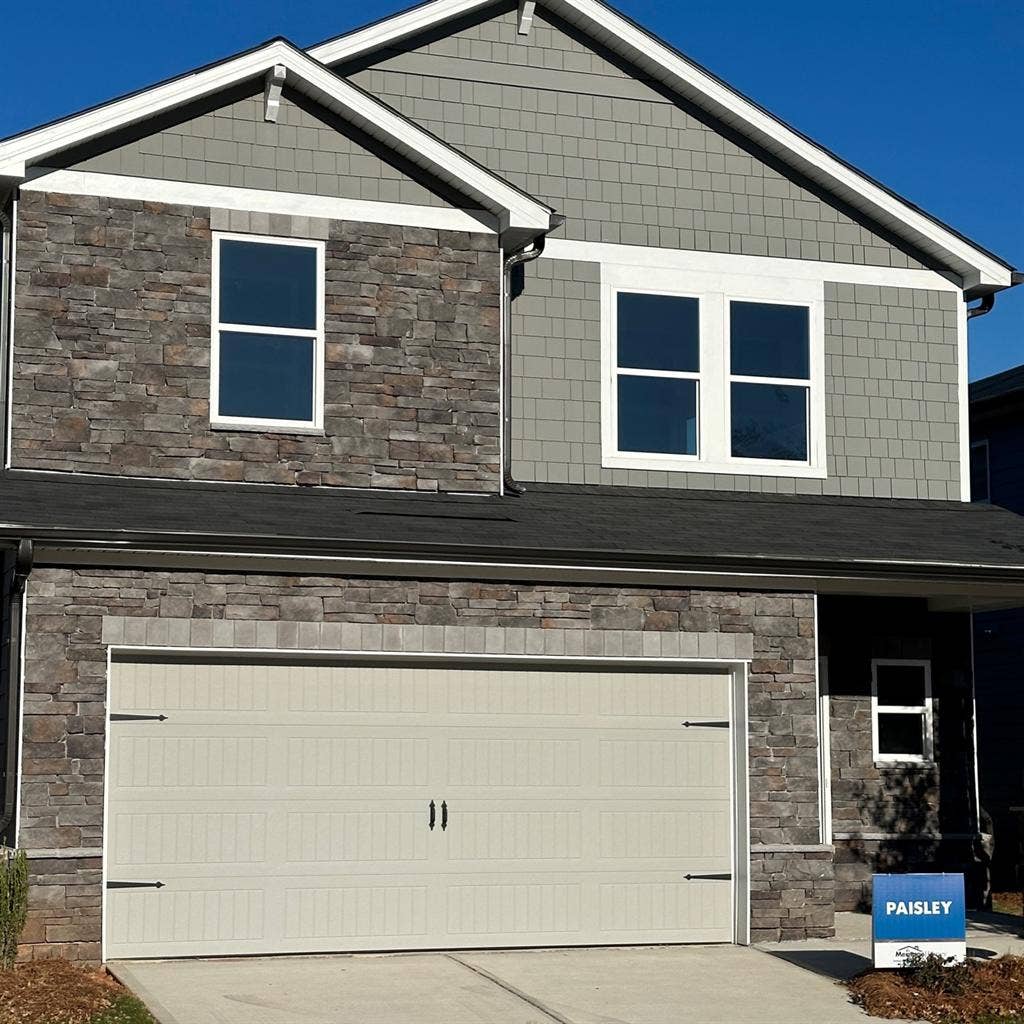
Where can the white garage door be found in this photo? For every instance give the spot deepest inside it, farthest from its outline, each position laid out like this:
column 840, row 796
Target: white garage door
column 289, row 807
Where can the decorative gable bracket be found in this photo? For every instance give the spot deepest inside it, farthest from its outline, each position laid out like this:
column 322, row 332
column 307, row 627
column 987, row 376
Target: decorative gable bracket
column 272, row 92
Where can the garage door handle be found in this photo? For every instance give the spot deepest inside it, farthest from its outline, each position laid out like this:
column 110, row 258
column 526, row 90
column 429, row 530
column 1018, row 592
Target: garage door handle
column 444, row 815
column 433, row 814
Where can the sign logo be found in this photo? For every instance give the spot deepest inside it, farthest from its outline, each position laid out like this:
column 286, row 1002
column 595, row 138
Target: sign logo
column 915, row 915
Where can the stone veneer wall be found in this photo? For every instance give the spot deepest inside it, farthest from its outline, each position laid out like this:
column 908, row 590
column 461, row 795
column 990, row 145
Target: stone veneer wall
column 112, row 350
column 74, row 614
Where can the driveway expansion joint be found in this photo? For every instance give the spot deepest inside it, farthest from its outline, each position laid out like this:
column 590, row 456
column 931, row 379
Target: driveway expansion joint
column 512, row 990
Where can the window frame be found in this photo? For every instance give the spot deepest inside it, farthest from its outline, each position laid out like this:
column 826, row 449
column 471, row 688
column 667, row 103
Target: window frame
column 314, row 425
column 714, row 292
column 629, row 371
column 925, row 711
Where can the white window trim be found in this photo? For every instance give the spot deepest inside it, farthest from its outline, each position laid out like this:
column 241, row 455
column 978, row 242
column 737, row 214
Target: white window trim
column 246, row 423
column 714, row 290
column 925, row 711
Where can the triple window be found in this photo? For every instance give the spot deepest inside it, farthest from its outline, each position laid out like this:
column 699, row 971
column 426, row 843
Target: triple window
column 901, row 710
column 707, row 379
column 268, row 334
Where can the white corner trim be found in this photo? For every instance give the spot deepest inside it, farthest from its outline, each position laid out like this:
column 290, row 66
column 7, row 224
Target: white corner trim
column 525, row 22
column 690, row 80
column 254, row 200
column 514, row 208
column 963, row 389
column 755, row 266
column 272, row 92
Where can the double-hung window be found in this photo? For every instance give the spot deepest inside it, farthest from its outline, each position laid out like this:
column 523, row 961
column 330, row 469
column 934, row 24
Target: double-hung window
column 657, row 370
column 268, row 334
column 901, row 710
column 713, row 373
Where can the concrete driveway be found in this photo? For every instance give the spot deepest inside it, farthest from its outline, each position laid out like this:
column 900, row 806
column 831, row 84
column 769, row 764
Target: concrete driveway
column 637, row 985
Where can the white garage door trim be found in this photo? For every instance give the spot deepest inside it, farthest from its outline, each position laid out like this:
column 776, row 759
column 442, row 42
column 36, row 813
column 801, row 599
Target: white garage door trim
column 739, row 761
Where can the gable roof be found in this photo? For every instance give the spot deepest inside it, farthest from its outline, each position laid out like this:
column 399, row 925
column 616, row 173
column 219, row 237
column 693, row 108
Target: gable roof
column 980, row 270
column 516, row 211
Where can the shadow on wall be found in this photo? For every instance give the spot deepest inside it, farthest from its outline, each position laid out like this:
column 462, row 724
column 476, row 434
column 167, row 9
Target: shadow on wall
column 907, row 803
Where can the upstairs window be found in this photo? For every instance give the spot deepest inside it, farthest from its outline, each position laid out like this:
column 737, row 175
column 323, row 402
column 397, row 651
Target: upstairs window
column 712, row 373
column 268, row 334
column 769, row 389
column 657, row 374
column 901, row 710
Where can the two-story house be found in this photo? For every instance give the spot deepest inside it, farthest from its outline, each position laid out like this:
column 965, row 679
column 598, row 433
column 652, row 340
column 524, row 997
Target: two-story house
column 997, row 476
column 482, row 481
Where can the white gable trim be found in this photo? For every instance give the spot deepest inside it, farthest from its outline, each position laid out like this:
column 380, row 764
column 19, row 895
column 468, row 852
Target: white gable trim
column 976, row 267
column 255, row 200
column 515, row 209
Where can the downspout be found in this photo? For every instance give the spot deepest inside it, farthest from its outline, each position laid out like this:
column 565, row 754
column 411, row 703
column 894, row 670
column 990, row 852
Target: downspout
column 526, row 255
column 23, row 556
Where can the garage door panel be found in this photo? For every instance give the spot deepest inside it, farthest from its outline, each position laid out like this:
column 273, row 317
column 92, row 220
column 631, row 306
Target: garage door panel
column 290, row 813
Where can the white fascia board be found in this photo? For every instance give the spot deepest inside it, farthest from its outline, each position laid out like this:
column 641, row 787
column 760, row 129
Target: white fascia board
column 783, row 267
column 254, row 200
column 647, row 52
column 35, row 145
column 514, row 208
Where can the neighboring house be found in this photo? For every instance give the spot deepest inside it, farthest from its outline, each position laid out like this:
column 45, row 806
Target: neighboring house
column 997, row 476
column 481, row 482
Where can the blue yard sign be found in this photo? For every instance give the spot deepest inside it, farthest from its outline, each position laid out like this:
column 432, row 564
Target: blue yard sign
column 914, row 915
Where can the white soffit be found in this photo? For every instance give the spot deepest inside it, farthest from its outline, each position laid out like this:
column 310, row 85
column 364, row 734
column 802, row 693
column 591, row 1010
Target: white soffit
column 515, row 208
column 977, row 268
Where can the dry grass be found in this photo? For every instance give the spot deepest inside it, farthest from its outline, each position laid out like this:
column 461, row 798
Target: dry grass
column 1006, row 903
column 979, row 992
column 59, row 992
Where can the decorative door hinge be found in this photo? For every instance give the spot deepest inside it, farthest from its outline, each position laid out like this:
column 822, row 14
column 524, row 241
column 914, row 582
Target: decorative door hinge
column 135, row 885
column 138, row 718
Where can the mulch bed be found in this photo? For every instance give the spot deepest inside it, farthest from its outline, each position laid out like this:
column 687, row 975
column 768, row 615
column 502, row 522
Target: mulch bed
column 59, row 992
column 978, row 992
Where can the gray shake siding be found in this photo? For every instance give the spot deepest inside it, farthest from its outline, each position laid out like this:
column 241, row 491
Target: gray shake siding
column 616, row 157
column 233, row 145
column 890, row 386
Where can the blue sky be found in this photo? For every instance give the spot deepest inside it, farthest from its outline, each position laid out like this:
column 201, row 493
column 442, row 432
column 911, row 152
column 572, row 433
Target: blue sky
column 925, row 95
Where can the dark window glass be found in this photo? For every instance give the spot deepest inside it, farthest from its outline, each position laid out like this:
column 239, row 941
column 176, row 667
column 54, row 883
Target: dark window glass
column 979, row 472
column 769, row 421
column 266, row 377
column 901, row 734
column 657, row 414
column 658, row 332
column 767, row 340
column 268, row 285
column 900, row 684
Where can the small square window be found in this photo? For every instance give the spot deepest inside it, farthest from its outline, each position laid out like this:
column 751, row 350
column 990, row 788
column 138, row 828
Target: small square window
column 901, row 699
column 658, row 332
column 769, row 340
column 268, row 334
